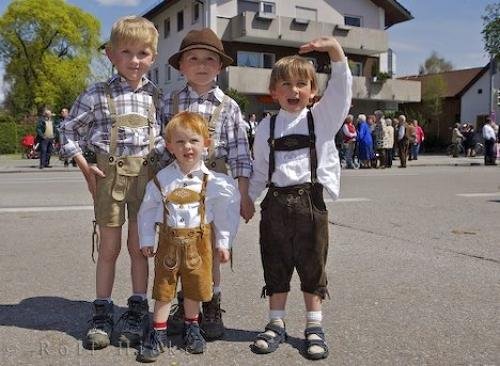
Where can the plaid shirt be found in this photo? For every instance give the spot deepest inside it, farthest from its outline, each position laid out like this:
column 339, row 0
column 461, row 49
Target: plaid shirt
column 89, row 121
column 230, row 137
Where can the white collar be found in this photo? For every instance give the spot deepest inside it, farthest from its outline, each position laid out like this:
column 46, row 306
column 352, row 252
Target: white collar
column 201, row 167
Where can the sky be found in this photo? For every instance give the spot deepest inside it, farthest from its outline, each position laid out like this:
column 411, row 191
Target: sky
column 452, row 28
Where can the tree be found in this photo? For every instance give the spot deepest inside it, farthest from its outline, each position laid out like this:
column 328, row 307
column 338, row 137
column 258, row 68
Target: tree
column 435, row 88
column 491, row 30
column 435, row 64
column 239, row 98
column 46, row 47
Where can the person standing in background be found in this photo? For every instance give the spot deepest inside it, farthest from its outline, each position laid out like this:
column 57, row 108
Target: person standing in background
column 45, row 133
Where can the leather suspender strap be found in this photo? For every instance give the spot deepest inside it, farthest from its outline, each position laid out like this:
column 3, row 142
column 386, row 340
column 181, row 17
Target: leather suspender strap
column 152, row 118
column 114, row 129
column 175, row 102
column 313, row 157
column 270, row 141
column 202, row 202
column 211, row 126
column 163, row 199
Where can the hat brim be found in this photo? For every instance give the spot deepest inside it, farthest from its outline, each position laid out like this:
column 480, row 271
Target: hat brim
column 175, row 58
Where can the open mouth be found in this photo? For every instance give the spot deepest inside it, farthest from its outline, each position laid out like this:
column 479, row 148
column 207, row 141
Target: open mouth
column 293, row 101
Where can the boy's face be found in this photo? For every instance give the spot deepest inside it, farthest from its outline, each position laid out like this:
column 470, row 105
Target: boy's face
column 187, row 146
column 293, row 95
column 132, row 60
column 200, row 67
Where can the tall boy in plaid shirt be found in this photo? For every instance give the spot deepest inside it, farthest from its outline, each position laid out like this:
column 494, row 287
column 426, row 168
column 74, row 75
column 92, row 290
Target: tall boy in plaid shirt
column 200, row 59
column 115, row 122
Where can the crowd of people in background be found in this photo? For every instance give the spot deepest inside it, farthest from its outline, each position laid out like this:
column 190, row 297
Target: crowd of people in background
column 374, row 141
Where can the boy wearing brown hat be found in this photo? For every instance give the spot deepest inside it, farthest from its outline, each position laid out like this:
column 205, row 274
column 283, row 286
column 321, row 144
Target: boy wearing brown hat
column 200, row 59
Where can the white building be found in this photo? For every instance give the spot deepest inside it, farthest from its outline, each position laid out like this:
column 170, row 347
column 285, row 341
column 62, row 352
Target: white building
column 477, row 96
column 256, row 33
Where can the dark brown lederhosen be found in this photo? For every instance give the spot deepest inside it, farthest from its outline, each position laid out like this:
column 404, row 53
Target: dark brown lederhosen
column 126, row 176
column 294, row 224
column 184, row 252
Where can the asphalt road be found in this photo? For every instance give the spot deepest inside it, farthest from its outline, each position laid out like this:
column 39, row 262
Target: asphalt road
column 414, row 274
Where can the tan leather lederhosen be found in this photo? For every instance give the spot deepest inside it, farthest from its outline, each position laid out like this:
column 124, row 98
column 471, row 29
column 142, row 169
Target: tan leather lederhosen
column 184, row 252
column 214, row 163
column 126, row 176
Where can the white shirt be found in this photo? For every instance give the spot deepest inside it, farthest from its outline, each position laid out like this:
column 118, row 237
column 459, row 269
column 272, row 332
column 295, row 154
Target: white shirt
column 488, row 132
column 222, row 205
column 292, row 167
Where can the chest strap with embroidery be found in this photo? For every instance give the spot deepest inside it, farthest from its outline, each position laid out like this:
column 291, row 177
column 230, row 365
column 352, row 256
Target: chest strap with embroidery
column 185, row 196
column 293, row 142
column 131, row 121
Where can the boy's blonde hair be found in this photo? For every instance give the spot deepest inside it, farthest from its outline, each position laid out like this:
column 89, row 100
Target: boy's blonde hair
column 293, row 66
column 134, row 29
column 187, row 120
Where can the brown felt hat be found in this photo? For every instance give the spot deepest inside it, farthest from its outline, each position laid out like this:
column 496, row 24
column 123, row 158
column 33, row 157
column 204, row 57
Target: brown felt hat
column 205, row 39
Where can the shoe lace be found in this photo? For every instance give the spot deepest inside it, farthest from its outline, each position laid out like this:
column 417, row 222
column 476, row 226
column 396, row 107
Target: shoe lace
column 213, row 312
column 99, row 321
column 193, row 334
column 131, row 319
column 177, row 312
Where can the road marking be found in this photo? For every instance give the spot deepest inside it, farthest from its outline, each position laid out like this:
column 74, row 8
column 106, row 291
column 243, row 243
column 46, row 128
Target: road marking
column 493, row 194
column 45, row 209
column 83, row 208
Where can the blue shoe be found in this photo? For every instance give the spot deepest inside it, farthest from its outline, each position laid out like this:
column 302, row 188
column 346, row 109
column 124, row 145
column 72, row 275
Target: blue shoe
column 193, row 340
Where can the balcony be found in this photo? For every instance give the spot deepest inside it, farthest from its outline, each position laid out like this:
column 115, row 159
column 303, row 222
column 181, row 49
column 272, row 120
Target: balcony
column 285, row 31
column 250, row 80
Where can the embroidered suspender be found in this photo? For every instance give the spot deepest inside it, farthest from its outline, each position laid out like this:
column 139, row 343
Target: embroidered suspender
column 293, row 142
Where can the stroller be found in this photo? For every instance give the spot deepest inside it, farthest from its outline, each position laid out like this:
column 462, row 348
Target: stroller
column 30, row 146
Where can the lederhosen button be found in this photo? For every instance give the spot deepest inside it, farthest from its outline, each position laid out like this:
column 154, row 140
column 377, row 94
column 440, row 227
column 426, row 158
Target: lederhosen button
column 275, row 193
column 212, row 164
column 145, row 162
column 111, row 159
column 301, row 192
column 120, row 163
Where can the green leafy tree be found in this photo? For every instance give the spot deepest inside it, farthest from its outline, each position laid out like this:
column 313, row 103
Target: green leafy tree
column 239, row 98
column 435, row 64
column 435, row 88
column 46, row 47
column 491, row 30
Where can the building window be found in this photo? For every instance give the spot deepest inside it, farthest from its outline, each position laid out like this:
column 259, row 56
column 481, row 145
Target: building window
column 352, row 20
column 356, row 68
column 166, row 28
column 180, row 21
column 168, row 73
column 267, row 7
column 256, row 59
column 479, row 91
column 195, row 12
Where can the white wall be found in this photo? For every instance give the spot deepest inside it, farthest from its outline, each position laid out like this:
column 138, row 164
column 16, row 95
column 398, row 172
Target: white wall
column 372, row 16
column 474, row 104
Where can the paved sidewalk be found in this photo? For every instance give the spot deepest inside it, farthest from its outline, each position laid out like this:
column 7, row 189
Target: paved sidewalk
column 12, row 164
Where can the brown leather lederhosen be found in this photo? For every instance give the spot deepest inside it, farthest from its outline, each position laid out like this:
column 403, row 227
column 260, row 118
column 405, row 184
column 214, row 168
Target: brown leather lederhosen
column 184, row 252
column 294, row 224
column 126, row 176
column 214, row 163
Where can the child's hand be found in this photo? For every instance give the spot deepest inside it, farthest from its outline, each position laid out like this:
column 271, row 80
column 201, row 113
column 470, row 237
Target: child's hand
column 90, row 176
column 247, row 208
column 324, row 44
column 148, row 252
column 223, row 254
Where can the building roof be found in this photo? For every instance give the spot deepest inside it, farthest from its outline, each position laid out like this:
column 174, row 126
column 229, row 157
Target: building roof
column 394, row 12
column 457, row 81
